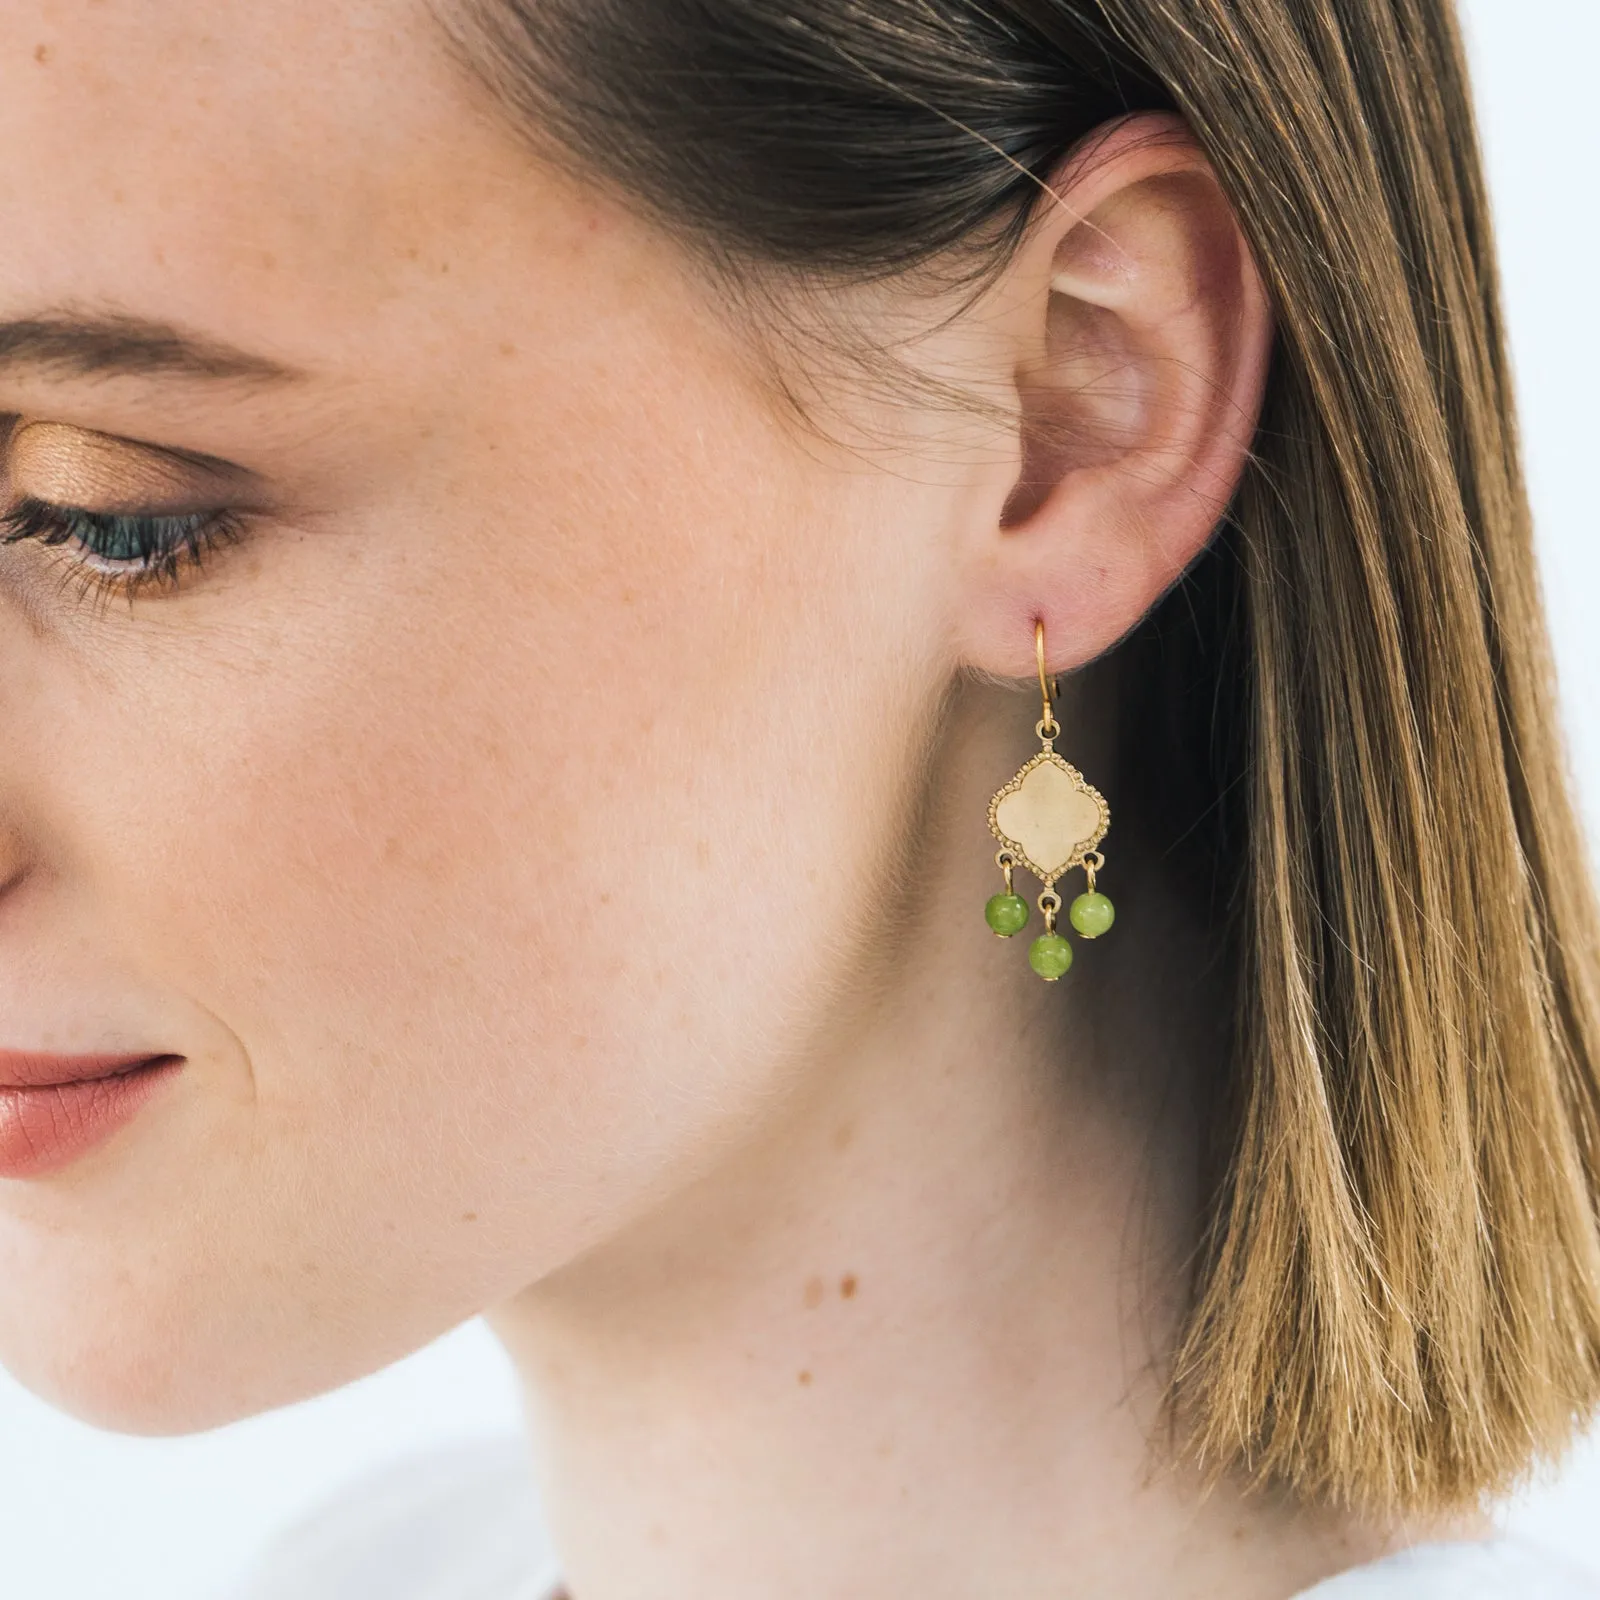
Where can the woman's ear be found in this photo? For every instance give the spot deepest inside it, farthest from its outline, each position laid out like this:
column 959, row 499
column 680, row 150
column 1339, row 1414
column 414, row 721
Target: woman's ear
column 1141, row 334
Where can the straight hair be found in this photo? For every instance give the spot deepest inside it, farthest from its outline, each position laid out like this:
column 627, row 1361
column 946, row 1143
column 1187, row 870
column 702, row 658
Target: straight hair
column 1348, row 736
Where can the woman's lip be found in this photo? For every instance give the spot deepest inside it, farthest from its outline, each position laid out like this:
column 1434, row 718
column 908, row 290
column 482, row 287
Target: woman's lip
column 34, row 1069
column 47, row 1125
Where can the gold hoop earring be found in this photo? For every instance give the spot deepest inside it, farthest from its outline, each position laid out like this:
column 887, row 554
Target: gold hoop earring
column 1049, row 819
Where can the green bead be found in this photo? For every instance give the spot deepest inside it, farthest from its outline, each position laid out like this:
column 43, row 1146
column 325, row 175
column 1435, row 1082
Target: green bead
column 1091, row 915
column 1050, row 955
column 1006, row 914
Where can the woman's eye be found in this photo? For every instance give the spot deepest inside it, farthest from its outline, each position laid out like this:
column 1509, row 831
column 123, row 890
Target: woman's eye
column 122, row 551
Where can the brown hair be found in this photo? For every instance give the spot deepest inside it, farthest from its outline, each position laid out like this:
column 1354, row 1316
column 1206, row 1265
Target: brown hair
column 1398, row 1304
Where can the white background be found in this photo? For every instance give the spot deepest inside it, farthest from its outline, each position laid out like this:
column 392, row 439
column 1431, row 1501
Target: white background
column 91, row 1516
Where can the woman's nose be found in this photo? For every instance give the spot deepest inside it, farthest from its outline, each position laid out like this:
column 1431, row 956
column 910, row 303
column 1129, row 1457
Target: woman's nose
column 14, row 863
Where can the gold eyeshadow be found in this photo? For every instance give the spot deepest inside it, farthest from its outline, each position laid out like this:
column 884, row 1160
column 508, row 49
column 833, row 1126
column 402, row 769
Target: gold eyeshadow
column 69, row 466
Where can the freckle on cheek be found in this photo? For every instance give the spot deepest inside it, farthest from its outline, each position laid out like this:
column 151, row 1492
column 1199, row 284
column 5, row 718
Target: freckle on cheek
column 847, row 1286
column 813, row 1293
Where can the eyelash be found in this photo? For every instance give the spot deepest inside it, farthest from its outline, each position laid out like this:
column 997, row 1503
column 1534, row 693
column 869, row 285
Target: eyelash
column 165, row 546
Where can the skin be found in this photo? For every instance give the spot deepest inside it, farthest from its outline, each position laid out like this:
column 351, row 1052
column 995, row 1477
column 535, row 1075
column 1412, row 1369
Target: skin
column 554, row 833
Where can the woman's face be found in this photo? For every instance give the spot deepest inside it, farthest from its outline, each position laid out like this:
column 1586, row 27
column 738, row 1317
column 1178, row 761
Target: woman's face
column 490, row 823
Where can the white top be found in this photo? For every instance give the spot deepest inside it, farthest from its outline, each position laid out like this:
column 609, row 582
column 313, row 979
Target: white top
column 463, row 1524
column 457, row 1524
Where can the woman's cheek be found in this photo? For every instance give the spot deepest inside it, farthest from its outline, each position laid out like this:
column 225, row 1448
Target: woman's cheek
column 493, row 892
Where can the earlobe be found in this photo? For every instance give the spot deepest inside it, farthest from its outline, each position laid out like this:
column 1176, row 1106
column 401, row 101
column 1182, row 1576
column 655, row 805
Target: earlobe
column 1141, row 347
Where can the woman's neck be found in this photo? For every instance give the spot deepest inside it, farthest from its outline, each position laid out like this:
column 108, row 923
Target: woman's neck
column 911, row 1339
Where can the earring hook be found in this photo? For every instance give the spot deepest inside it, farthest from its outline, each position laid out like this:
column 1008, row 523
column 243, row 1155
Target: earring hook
column 1048, row 726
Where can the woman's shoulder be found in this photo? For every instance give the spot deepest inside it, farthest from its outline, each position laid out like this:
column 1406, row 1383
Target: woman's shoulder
column 459, row 1523
column 463, row 1523
column 1494, row 1569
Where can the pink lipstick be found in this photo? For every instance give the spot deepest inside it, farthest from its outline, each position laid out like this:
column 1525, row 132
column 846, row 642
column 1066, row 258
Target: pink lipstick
column 55, row 1108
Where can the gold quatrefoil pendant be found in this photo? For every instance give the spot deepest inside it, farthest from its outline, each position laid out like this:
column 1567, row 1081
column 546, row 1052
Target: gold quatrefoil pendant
column 1049, row 816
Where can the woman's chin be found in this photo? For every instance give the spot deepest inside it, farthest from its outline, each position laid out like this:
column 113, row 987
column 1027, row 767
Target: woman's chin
column 157, row 1371
column 126, row 1385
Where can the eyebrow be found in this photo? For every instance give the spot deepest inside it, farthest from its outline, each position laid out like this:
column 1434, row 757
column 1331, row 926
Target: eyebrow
column 124, row 346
